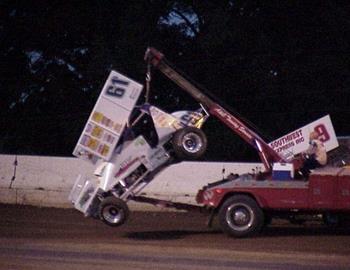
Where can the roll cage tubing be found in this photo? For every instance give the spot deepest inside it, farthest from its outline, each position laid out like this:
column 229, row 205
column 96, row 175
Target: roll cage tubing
column 267, row 155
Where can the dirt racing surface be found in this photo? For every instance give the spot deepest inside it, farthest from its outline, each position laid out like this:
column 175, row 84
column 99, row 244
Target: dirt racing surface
column 48, row 238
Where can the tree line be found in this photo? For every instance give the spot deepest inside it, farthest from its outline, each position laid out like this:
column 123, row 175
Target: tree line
column 280, row 64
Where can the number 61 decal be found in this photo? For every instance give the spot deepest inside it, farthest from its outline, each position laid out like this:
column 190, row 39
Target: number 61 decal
column 116, row 89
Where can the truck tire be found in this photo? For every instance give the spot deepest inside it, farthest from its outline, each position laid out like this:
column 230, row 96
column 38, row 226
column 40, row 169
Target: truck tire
column 189, row 143
column 241, row 216
column 113, row 211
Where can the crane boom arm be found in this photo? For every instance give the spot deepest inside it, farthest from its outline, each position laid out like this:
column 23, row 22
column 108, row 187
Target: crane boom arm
column 266, row 153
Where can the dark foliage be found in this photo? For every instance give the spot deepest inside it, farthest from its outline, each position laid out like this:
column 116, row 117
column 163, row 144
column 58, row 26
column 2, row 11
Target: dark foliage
column 281, row 64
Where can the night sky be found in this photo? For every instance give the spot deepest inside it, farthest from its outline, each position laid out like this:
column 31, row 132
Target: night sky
column 280, row 64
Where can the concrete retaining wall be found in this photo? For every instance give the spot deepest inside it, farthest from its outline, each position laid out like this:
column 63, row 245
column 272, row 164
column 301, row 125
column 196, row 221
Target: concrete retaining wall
column 47, row 181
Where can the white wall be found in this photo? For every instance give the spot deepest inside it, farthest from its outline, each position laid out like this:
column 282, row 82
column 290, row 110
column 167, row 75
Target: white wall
column 46, row 181
column 42, row 181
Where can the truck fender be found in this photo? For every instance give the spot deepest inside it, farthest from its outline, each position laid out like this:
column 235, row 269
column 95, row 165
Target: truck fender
column 258, row 200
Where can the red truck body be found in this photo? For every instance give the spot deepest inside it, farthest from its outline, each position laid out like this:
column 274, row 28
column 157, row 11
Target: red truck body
column 327, row 189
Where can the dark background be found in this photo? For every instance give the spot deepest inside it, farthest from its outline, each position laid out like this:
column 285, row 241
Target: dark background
column 280, row 64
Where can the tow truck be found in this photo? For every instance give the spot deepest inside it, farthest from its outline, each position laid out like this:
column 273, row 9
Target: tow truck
column 245, row 203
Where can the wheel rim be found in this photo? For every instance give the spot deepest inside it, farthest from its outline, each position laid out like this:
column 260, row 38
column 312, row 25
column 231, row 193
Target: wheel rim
column 240, row 217
column 192, row 142
column 112, row 214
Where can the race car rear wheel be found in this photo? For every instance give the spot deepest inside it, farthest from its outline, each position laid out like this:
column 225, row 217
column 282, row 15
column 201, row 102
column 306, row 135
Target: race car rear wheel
column 241, row 216
column 113, row 211
column 189, row 143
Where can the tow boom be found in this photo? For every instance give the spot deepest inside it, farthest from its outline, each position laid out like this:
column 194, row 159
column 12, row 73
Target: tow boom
column 267, row 155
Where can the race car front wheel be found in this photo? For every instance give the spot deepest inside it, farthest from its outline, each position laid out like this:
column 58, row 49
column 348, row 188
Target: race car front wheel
column 189, row 143
column 113, row 211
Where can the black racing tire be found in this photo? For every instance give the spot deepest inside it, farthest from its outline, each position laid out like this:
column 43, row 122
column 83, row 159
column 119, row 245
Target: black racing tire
column 189, row 143
column 113, row 211
column 241, row 216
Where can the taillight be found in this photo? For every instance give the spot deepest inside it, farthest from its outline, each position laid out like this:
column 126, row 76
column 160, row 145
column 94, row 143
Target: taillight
column 219, row 190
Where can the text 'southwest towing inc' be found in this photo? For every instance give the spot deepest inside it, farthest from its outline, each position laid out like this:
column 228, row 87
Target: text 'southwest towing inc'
column 130, row 143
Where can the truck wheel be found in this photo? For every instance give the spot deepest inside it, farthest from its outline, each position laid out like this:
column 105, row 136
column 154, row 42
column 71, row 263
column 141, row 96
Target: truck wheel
column 241, row 216
column 113, row 211
column 189, row 143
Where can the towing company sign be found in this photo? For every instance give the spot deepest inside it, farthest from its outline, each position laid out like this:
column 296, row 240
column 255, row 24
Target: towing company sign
column 297, row 141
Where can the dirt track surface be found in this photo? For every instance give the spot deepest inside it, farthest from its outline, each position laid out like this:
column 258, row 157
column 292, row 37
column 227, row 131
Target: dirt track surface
column 47, row 238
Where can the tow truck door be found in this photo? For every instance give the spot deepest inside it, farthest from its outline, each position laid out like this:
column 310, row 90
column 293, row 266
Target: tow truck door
column 322, row 191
